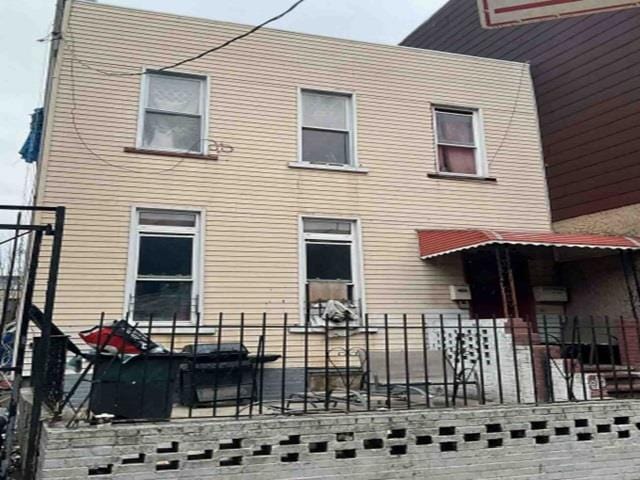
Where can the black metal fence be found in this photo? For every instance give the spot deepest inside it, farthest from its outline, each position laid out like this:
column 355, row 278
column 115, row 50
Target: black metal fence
column 34, row 229
column 250, row 365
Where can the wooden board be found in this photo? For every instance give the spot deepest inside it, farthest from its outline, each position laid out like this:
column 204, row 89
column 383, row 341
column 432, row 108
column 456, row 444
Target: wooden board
column 503, row 13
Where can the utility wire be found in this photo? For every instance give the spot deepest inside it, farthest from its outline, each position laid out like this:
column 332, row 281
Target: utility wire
column 525, row 67
column 507, row 129
column 199, row 55
column 75, row 59
column 234, row 39
column 218, row 146
column 76, row 129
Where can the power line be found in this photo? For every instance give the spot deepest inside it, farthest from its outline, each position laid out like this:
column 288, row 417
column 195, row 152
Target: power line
column 218, row 146
column 507, row 129
column 76, row 129
column 525, row 67
column 75, row 59
column 199, row 55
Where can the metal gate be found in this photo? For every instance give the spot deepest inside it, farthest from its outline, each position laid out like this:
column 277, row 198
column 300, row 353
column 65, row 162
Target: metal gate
column 33, row 232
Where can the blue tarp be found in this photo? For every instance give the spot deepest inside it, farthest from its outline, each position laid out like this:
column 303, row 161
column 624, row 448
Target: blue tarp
column 31, row 148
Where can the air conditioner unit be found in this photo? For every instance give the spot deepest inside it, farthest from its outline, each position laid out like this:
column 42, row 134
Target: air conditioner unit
column 550, row 294
column 460, row 293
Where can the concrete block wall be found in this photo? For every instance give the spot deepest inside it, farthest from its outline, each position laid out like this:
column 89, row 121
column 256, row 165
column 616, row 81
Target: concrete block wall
column 587, row 440
column 502, row 356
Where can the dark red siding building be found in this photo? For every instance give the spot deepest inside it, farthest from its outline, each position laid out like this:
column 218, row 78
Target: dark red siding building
column 586, row 72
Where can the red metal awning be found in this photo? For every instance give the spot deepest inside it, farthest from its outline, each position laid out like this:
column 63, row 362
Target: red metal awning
column 434, row 243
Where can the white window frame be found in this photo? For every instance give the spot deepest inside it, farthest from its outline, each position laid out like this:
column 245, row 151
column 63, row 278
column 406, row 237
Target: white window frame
column 482, row 169
column 203, row 147
column 351, row 123
column 197, row 268
column 357, row 264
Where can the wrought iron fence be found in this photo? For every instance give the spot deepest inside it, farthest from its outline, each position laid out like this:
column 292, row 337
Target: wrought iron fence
column 251, row 365
column 35, row 228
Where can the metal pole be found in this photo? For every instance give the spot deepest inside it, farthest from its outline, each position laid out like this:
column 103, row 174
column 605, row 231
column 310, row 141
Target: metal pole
column 20, row 346
column 39, row 393
column 498, row 365
column 12, row 266
column 635, row 275
column 507, row 284
column 512, row 286
column 627, row 261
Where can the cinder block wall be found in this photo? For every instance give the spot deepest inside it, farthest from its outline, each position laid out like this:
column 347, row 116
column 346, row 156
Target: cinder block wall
column 589, row 440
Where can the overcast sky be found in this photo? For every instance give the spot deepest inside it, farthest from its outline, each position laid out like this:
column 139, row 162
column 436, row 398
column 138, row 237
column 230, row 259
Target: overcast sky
column 23, row 58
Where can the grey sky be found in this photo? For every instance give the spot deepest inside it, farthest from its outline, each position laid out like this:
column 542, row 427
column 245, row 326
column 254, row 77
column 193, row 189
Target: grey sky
column 23, row 58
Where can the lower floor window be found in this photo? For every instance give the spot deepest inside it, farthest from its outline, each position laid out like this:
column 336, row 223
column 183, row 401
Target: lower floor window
column 165, row 258
column 161, row 300
column 331, row 266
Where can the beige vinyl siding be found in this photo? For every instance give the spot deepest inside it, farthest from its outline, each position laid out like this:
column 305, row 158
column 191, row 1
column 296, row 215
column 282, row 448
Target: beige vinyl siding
column 250, row 198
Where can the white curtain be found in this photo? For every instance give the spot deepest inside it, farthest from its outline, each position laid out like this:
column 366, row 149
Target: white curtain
column 324, row 111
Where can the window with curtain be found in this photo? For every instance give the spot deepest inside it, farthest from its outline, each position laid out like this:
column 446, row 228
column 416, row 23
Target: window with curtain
column 456, row 135
column 173, row 113
column 165, row 260
column 326, row 128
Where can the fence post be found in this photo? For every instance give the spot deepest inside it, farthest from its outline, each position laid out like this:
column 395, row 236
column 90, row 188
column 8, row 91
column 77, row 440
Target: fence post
column 50, row 296
column 12, row 265
column 21, row 345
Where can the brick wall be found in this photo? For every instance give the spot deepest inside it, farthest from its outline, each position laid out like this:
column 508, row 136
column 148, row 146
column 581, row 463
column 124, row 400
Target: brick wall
column 628, row 333
column 588, row 440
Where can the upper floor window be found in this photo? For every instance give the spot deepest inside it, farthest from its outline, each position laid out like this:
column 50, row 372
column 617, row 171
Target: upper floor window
column 173, row 112
column 165, row 265
column 458, row 141
column 327, row 128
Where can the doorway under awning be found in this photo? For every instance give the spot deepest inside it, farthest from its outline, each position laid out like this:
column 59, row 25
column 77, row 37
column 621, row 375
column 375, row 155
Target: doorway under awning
column 503, row 247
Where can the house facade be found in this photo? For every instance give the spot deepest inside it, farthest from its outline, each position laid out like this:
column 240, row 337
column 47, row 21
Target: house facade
column 233, row 183
column 585, row 73
column 230, row 201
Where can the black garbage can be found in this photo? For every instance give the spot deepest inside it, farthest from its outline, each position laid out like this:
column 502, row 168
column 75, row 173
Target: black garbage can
column 139, row 387
column 221, row 374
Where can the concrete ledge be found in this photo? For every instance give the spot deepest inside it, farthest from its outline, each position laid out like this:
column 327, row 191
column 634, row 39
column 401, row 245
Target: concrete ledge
column 588, row 440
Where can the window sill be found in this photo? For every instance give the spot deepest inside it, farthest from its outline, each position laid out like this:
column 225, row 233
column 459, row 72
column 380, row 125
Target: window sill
column 468, row 178
column 321, row 330
column 181, row 329
column 164, row 153
column 334, row 168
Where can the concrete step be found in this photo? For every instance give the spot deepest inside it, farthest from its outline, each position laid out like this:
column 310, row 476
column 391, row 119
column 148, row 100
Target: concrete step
column 622, row 381
column 604, row 368
column 613, row 388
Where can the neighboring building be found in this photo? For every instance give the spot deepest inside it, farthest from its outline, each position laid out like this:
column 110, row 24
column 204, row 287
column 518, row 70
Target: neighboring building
column 585, row 72
column 285, row 170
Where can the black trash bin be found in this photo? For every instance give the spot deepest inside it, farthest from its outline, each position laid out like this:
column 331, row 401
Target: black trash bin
column 139, row 387
column 221, row 374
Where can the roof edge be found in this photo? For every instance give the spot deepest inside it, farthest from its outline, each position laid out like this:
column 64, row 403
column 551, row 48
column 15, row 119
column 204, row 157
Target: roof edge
column 390, row 46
